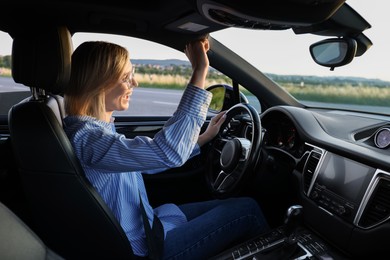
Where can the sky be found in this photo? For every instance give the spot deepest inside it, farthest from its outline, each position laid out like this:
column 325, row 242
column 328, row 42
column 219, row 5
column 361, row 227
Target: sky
column 375, row 63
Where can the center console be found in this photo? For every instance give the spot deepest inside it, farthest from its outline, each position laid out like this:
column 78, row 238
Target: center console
column 272, row 245
column 339, row 186
column 347, row 214
column 290, row 241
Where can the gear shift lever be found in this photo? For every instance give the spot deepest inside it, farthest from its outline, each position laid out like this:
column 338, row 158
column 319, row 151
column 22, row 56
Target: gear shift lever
column 289, row 247
column 292, row 222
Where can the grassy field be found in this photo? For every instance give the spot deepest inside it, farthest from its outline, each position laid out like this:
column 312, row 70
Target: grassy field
column 359, row 95
column 167, row 81
column 4, row 72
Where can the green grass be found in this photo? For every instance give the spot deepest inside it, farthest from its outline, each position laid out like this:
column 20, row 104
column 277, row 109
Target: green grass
column 359, row 95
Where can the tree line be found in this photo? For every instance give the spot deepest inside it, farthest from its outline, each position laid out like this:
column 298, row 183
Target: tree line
column 5, row 61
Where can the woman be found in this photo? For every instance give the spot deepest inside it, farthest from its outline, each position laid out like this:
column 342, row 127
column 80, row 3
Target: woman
column 102, row 81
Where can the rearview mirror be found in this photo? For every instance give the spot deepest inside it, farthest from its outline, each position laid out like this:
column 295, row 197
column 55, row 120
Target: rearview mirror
column 335, row 52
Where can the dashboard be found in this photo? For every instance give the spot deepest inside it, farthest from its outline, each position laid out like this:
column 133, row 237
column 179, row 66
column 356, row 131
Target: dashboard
column 342, row 164
column 364, row 138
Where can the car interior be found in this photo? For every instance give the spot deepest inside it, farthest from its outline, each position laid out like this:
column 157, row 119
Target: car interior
column 50, row 208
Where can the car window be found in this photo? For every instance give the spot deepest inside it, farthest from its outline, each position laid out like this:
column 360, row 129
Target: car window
column 10, row 92
column 161, row 72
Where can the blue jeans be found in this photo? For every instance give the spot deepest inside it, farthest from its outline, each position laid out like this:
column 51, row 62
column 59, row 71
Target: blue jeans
column 214, row 226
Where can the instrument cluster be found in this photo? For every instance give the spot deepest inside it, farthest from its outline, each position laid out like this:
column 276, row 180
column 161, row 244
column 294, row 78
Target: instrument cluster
column 282, row 134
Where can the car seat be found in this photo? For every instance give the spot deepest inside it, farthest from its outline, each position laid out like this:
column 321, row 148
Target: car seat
column 66, row 211
column 19, row 242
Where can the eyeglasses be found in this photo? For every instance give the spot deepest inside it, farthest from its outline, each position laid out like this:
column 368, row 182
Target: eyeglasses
column 129, row 79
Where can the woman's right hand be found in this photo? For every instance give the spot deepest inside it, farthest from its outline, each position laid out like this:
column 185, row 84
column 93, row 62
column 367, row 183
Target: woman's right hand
column 212, row 129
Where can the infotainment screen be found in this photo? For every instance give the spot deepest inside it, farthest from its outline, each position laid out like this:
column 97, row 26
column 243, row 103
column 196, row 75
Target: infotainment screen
column 344, row 177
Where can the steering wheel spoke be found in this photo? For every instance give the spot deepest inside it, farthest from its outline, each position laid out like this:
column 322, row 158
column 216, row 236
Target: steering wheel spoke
column 223, row 181
column 218, row 144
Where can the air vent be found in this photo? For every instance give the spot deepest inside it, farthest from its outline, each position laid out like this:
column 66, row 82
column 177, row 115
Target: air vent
column 310, row 168
column 378, row 207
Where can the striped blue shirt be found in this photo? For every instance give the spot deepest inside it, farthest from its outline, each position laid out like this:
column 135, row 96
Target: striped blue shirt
column 114, row 164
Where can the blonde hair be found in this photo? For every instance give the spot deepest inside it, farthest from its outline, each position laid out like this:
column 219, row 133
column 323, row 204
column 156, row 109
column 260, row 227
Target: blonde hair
column 96, row 66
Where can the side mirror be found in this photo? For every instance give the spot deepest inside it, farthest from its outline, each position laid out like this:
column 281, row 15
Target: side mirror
column 335, row 52
column 223, row 98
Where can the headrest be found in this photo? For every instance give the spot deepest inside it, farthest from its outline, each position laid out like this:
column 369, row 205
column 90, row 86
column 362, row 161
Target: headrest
column 42, row 60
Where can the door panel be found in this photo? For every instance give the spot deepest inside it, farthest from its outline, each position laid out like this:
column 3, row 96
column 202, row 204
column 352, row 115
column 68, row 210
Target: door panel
column 177, row 185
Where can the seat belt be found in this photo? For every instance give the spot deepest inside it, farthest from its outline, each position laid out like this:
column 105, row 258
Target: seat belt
column 154, row 235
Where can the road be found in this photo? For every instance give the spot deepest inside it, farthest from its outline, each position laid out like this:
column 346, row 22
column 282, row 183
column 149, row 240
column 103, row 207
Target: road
column 144, row 101
column 8, row 85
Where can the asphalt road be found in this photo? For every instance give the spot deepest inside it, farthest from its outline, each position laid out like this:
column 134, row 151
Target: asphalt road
column 144, row 101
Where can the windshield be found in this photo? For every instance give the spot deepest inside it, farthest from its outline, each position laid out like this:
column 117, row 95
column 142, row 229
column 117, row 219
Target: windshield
column 362, row 85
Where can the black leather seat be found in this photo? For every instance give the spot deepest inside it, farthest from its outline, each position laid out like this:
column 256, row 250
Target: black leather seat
column 66, row 211
column 19, row 242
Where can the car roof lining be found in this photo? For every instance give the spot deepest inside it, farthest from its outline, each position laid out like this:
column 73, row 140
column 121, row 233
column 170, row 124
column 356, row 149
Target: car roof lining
column 155, row 19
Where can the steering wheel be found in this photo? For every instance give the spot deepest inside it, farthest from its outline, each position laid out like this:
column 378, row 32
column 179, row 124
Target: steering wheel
column 234, row 151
